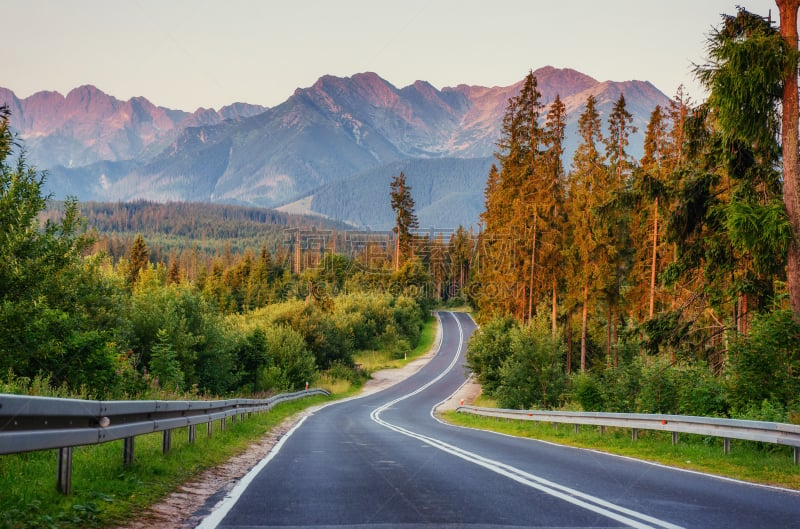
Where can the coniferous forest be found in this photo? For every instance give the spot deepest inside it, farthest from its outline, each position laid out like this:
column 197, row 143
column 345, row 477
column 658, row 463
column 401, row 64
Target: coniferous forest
column 663, row 284
column 650, row 285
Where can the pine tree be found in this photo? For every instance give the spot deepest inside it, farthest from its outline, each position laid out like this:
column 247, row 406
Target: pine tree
column 139, row 258
column 164, row 365
column 509, row 238
column 587, row 188
column 405, row 219
column 616, row 214
column 554, row 179
column 650, row 188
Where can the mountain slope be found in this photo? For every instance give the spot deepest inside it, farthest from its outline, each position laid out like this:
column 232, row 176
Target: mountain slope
column 447, row 192
column 88, row 126
column 335, row 129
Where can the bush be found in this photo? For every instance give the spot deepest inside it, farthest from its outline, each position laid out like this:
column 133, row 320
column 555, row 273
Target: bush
column 621, row 386
column 765, row 365
column 587, row 392
column 533, row 375
column 701, row 393
column 659, row 387
column 488, row 348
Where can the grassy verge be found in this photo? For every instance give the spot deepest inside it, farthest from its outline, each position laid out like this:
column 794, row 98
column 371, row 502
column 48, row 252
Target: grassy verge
column 375, row 360
column 755, row 462
column 107, row 493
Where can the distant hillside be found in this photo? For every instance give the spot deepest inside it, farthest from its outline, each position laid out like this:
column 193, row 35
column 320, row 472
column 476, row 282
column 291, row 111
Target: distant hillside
column 447, row 193
column 177, row 226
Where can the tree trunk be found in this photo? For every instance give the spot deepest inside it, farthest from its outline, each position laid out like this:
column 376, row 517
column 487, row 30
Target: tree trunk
column 653, row 264
column 554, row 317
column 397, row 253
column 584, row 321
column 569, row 342
column 533, row 263
column 791, row 166
column 608, row 336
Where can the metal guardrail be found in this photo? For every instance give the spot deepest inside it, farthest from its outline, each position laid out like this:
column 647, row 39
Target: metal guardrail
column 41, row 423
column 727, row 429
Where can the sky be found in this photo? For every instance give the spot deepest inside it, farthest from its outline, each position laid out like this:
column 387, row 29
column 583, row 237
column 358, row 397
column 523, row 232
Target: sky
column 209, row 53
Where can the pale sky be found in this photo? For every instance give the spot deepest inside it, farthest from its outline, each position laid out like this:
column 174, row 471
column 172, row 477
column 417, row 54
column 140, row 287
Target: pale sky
column 187, row 54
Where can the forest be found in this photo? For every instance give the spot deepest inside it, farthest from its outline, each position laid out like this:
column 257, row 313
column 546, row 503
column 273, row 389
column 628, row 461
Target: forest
column 665, row 284
column 95, row 314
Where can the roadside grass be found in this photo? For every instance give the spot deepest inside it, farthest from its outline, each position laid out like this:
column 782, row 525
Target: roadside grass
column 371, row 361
column 106, row 493
column 748, row 461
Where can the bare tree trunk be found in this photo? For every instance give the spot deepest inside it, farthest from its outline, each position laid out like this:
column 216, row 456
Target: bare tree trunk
column 533, row 263
column 569, row 342
column 584, row 322
column 653, row 264
column 297, row 253
column 791, row 164
column 608, row 336
column 554, row 317
column 397, row 253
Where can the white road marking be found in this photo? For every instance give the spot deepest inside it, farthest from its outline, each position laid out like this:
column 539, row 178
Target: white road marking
column 575, row 497
column 212, row 520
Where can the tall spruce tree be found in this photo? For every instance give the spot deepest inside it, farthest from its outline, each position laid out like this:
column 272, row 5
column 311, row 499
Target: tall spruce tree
column 616, row 215
column 649, row 190
column 511, row 218
column 551, row 196
column 405, row 219
column 587, row 189
column 139, row 257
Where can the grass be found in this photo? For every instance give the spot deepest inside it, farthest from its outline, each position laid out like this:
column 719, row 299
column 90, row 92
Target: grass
column 371, row 361
column 748, row 461
column 106, row 493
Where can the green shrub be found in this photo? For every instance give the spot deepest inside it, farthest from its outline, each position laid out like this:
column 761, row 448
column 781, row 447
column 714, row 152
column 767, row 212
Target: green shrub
column 659, row 387
column 587, row 392
column 701, row 393
column 765, row 365
column 488, row 348
column 533, row 374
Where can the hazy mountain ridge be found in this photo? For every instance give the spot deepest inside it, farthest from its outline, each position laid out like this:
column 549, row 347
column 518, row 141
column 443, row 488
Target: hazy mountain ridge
column 87, row 125
column 338, row 128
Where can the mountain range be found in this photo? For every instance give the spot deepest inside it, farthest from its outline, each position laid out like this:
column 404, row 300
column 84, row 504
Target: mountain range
column 329, row 149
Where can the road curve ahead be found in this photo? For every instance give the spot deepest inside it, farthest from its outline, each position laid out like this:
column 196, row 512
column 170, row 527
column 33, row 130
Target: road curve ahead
column 384, row 461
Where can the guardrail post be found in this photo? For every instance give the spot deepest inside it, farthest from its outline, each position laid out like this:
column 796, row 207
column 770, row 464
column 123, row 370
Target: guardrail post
column 223, row 423
column 555, row 426
column 797, row 455
column 65, row 470
column 674, row 438
column 602, row 429
column 192, row 433
column 166, row 441
column 210, row 428
column 726, row 445
column 127, row 451
column 634, row 434
column 577, row 428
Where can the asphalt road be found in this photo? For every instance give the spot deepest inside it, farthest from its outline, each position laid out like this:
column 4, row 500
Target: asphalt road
column 384, row 461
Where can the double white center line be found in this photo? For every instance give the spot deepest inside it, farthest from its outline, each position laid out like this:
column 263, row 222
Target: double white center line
column 575, row 497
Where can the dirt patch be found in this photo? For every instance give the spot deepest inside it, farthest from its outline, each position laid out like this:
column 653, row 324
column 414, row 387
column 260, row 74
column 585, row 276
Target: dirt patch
column 193, row 501
column 465, row 396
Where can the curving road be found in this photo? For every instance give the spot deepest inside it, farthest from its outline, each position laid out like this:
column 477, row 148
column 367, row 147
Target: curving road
column 384, row 461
